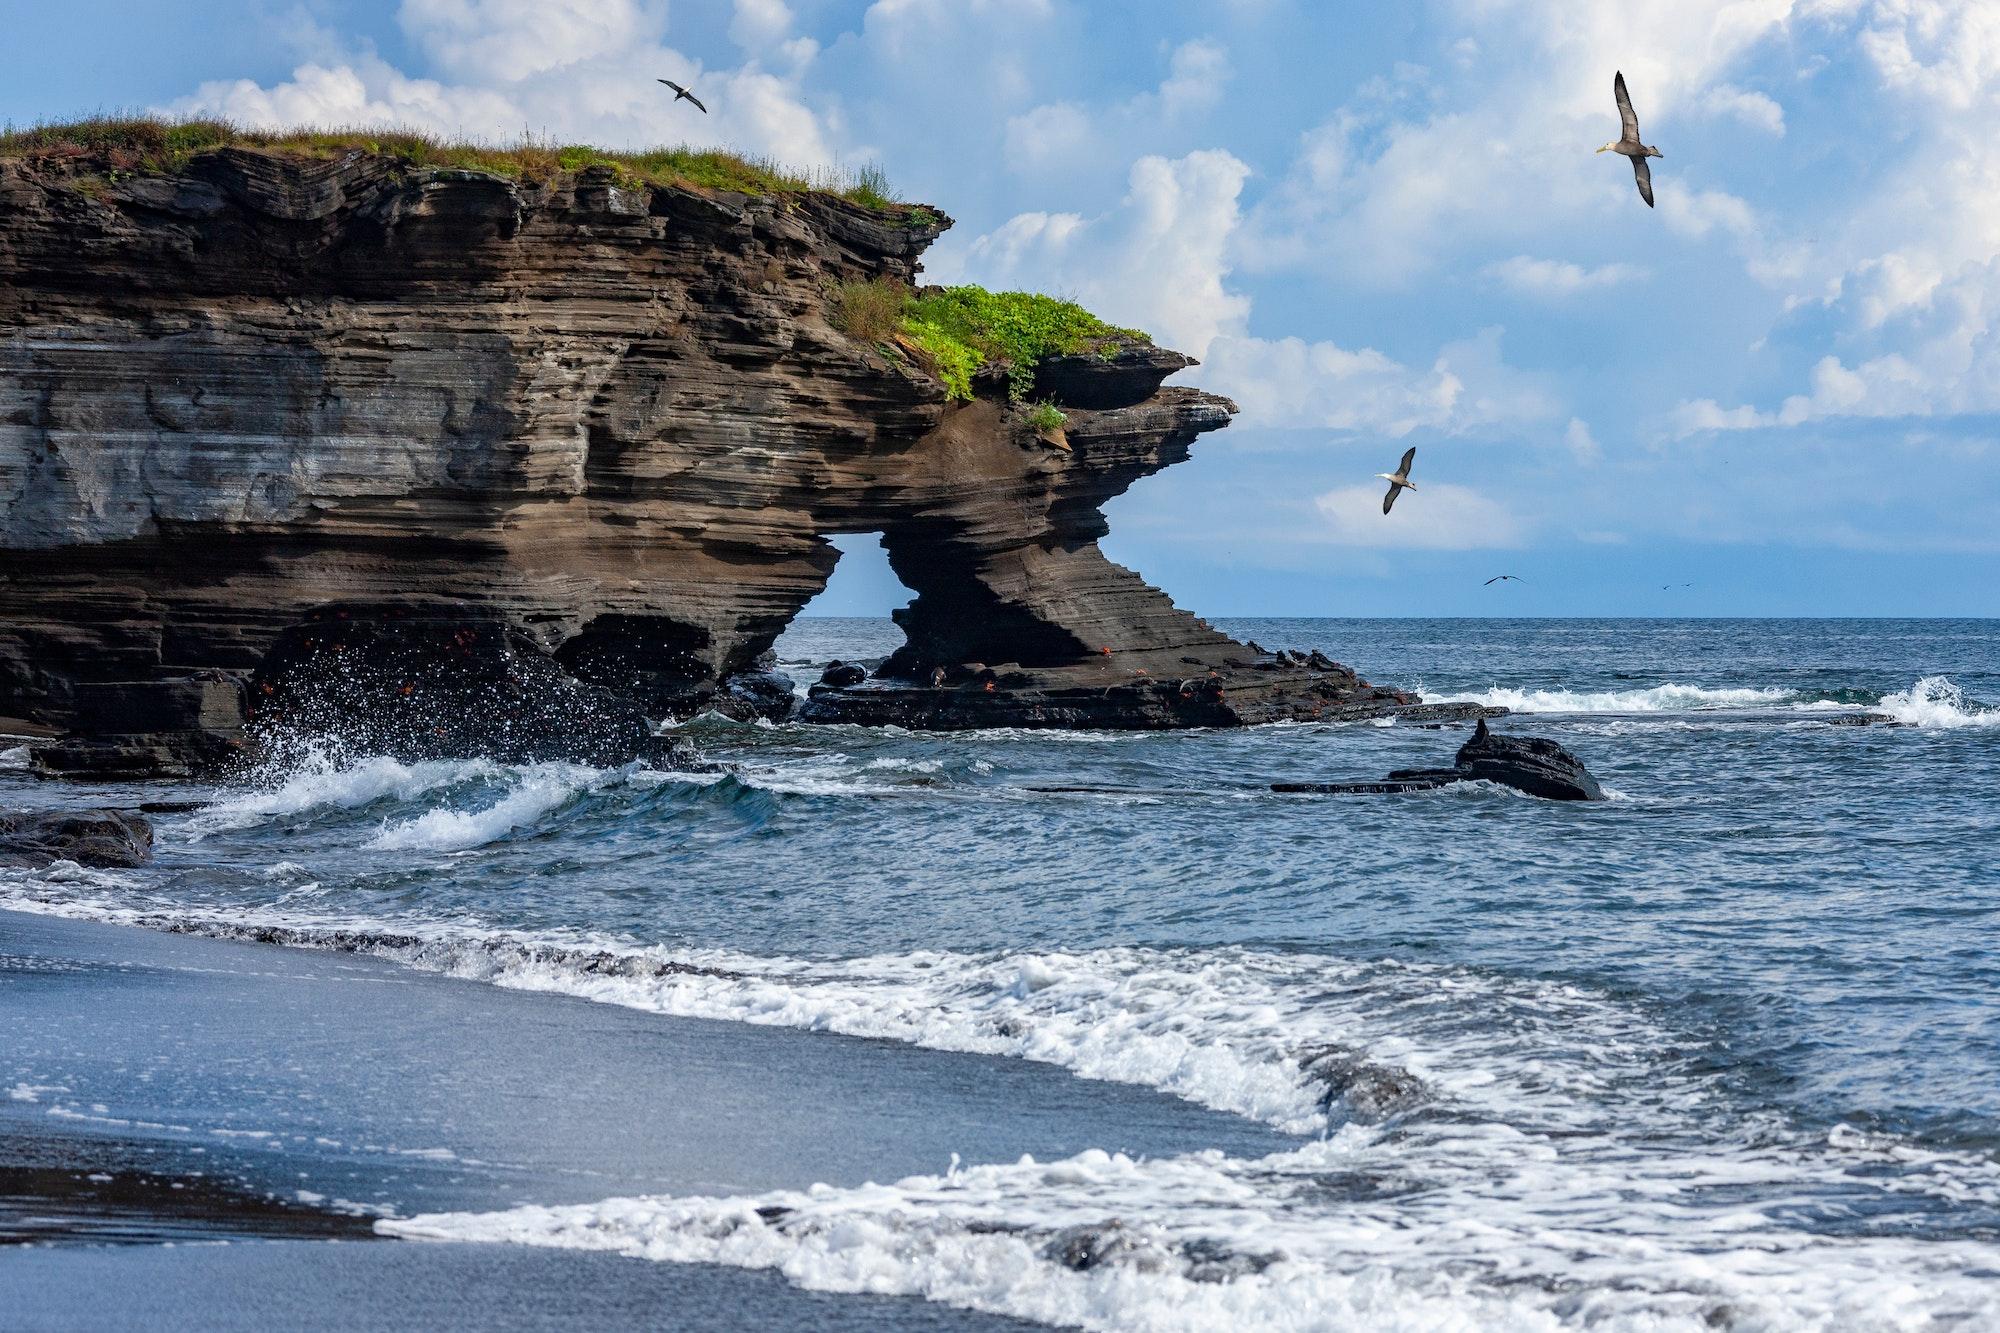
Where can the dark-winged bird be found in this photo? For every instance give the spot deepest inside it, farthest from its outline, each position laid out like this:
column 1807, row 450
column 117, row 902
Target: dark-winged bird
column 1502, row 578
column 1399, row 480
column 1628, row 142
column 683, row 95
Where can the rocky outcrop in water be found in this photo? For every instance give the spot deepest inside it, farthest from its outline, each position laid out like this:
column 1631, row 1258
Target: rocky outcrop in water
column 1531, row 764
column 103, row 838
column 606, row 431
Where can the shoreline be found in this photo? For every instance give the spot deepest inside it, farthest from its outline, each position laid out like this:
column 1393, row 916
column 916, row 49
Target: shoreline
column 174, row 1088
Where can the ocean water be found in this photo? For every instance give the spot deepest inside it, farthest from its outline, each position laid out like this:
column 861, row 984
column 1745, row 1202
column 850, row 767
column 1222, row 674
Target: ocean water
column 1723, row 1051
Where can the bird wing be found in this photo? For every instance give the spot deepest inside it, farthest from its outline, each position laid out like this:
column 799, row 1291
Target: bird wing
column 1495, row 579
column 1645, row 175
column 671, row 84
column 697, row 102
column 1403, row 468
column 1389, row 500
column 1625, row 111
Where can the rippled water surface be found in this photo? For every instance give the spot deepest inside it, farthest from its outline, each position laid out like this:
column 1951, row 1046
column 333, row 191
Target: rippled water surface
column 1723, row 1049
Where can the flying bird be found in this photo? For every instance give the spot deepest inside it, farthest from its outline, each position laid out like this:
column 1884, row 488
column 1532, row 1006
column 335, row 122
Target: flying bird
column 1628, row 143
column 683, row 95
column 1399, row 480
column 1502, row 578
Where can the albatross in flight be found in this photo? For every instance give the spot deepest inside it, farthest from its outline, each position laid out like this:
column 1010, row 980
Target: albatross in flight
column 1399, row 480
column 683, row 95
column 1628, row 143
column 1503, row 578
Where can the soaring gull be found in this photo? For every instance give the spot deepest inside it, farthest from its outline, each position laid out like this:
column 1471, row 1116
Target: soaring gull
column 1628, row 143
column 683, row 95
column 1399, row 480
column 1502, row 578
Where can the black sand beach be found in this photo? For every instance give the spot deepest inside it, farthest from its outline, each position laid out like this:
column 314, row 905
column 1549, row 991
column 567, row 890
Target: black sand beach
column 165, row 1088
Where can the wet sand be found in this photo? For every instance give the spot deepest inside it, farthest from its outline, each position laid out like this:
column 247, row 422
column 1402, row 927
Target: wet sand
column 159, row 1087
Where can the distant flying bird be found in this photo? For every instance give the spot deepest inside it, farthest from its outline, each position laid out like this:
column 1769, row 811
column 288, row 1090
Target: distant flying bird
column 1665, row 586
column 683, row 95
column 1502, row 578
column 1628, row 143
column 1399, row 480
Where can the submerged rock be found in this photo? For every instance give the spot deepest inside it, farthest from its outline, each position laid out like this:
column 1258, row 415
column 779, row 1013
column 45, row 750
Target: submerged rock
column 1531, row 764
column 102, row 838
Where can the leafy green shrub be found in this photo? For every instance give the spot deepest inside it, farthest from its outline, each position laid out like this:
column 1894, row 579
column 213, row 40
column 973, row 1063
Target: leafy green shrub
column 1047, row 417
column 969, row 326
column 870, row 311
column 953, row 361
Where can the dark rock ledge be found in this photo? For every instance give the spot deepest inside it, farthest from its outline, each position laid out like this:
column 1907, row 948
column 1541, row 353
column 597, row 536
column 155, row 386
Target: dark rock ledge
column 460, row 463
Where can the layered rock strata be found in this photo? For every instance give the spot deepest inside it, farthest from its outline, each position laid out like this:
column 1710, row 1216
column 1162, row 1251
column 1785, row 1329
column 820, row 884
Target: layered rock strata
column 606, row 432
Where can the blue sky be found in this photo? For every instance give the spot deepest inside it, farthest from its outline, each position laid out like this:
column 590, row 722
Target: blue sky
column 1377, row 225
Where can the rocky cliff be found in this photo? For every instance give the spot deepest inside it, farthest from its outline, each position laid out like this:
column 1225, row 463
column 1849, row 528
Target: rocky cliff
column 281, row 434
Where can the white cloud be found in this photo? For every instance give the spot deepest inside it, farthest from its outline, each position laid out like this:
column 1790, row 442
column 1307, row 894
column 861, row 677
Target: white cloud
column 1161, row 262
column 1071, row 134
column 1436, row 517
column 1583, row 446
column 1546, row 278
column 1385, row 196
column 510, row 40
column 1752, row 108
column 576, row 70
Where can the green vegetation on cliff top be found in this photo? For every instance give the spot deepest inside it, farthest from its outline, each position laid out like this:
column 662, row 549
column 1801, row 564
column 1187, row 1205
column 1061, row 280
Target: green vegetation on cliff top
column 150, row 144
column 959, row 330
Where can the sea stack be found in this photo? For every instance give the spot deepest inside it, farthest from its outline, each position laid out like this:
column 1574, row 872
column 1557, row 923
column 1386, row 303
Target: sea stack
column 582, row 437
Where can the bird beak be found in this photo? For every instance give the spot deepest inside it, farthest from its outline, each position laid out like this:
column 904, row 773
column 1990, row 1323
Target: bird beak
column 1605, row 149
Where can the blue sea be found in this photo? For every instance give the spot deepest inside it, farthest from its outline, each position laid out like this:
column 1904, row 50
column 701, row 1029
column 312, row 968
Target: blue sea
column 1723, row 1051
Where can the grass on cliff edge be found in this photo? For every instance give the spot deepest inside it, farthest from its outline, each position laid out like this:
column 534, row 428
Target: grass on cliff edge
column 151, row 144
column 958, row 330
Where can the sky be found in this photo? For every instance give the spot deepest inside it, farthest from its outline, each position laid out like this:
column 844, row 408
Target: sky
column 1377, row 225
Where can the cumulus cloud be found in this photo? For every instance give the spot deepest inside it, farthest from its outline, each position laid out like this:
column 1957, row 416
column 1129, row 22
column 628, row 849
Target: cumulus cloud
column 1439, row 517
column 579, row 70
column 1583, row 445
column 1162, row 261
column 1914, row 288
column 1075, row 134
column 1548, row 278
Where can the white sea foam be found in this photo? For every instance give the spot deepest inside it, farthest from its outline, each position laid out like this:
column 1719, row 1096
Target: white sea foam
column 535, row 791
column 322, row 780
column 1287, row 1242
column 1935, row 702
column 13, row 756
column 1503, row 1152
column 1667, row 698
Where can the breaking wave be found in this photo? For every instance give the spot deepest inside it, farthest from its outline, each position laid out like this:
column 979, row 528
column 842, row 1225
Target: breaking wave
column 1937, row 703
column 1933, row 702
column 1474, row 1148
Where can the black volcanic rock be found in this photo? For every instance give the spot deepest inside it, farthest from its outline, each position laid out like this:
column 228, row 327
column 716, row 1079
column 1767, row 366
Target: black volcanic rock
column 103, row 838
column 840, row 675
column 441, row 682
column 1530, row 764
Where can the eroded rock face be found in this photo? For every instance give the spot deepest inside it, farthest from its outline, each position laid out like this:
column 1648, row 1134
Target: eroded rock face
column 615, row 426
